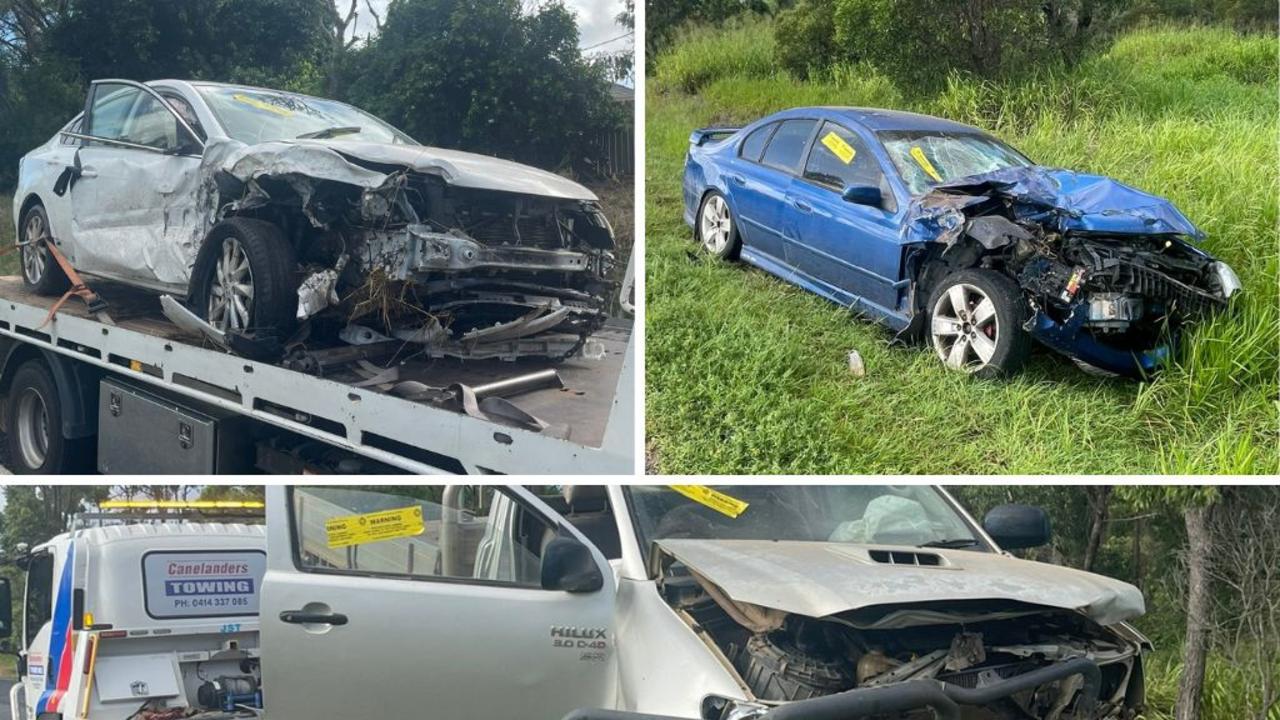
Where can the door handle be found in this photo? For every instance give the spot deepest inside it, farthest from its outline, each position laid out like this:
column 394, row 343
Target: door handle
column 802, row 206
column 88, row 172
column 298, row 617
column 738, row 179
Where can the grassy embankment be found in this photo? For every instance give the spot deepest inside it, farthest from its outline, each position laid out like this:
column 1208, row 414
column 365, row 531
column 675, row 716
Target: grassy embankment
column 748, row 374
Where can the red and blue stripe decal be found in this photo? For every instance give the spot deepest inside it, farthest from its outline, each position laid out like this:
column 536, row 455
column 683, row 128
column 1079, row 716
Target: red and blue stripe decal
column 58, row 674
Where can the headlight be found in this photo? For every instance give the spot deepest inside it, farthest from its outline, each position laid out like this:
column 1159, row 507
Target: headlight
column 1227, row 279
column 715, row 707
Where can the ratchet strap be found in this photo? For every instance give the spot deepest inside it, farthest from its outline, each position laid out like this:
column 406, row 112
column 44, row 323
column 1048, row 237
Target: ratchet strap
column 97, row 306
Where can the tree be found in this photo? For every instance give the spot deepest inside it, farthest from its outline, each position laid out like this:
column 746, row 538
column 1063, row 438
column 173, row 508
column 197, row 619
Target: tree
column 1099, row 497
column 485, row 76
column 35, row 513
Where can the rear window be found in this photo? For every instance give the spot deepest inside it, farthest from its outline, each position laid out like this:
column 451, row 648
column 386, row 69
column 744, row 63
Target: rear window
column 202, row 583
column 753, row 146
column 788, row 145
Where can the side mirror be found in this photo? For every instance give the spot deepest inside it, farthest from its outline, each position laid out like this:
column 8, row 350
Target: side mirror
column 1017, row 526
column 6, row 608
column 568, row 565
column 863, row 195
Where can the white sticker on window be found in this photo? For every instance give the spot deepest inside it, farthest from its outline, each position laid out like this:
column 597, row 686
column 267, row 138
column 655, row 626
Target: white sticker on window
column 203, row 584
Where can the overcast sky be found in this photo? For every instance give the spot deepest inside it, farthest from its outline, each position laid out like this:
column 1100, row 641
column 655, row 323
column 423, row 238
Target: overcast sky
column 595, row 20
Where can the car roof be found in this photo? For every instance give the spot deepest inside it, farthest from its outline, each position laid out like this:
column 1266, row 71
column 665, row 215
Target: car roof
column 878, row 119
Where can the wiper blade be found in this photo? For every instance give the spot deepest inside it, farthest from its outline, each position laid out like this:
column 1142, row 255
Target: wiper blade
column 949, row 543
column 329, row 132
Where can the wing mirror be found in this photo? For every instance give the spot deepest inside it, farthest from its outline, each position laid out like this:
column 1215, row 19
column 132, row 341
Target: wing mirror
column 863, row 195
column 568, row 565
column 1017, row 526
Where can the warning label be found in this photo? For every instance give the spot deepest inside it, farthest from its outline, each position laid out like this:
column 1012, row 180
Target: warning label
column 714, row 499
column 203, row 584
column 350, row 530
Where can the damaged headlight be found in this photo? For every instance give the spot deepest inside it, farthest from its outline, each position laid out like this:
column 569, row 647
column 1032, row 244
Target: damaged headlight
column 1228, row 282
column 715, row 707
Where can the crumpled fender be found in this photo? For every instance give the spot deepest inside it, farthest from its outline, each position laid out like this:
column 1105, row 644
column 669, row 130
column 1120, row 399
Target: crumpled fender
column 1059, row 200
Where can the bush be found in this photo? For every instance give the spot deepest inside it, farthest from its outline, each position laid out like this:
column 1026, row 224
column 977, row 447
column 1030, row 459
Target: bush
column 702, row 54
column 664, row 19
column 805, row 37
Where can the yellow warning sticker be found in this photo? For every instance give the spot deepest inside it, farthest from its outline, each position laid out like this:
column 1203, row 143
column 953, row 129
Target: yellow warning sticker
column 714, row 499
column 255, row 102
column 350, row 530
column 924, row 163
column 837, row 145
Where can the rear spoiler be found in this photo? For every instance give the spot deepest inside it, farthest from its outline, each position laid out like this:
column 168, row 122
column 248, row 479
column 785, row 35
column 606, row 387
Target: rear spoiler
column 702, row 135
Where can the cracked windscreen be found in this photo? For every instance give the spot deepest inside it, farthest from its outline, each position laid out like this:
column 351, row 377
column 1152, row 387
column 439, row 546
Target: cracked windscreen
column 907, row 515
column 253, row 116
column 925, row 159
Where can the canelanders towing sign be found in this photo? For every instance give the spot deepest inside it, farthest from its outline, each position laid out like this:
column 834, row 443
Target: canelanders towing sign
column 214, row 583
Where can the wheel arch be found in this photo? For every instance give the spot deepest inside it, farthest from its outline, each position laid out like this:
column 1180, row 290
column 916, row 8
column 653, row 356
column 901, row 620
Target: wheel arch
column 77, row 384
column 31, row 200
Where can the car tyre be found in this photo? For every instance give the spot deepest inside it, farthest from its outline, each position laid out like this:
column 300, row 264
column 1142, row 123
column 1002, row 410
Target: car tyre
column 245, row 279
column 976, row 319
column 41, row 273
column 715, row 229
column 33, row 425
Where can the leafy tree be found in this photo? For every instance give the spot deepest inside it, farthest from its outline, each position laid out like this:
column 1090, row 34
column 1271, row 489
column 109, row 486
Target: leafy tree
column 485, row 76
column 805, row 37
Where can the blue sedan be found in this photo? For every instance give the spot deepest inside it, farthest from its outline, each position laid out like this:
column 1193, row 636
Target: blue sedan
column 946, row 234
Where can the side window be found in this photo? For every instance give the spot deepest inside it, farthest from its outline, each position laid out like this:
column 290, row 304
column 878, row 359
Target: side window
column 428, row 532
column 75, row 127
column 787, row 145
column 839, row 159
column 188, row 113
column 124, row 112
column 753, row 146
column 38, row 608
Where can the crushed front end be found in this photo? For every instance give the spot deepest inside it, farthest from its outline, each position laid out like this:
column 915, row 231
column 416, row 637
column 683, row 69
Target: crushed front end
column 468, row 256
column 1109, row 272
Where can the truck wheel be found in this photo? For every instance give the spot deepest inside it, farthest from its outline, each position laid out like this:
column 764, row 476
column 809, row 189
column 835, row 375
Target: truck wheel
column 40, row 272
column 715, row 229
column 975, row 323
column 244, row 279
column 34, row 423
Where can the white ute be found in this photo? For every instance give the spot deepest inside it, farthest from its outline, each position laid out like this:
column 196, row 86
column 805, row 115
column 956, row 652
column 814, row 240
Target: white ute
column 593, row 603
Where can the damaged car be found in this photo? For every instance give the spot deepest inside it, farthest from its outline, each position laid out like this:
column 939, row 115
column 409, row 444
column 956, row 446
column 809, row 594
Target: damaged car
column 279, row 219
column 795, row 602
column 948, row 235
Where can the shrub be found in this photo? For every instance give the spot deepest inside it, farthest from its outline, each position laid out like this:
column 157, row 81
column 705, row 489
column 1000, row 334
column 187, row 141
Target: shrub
column 805, row 37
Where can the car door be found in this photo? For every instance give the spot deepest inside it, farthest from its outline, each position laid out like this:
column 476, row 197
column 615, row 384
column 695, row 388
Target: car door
column 758, row 180
column 411, row 601
column 850, row 250
column 135, row 214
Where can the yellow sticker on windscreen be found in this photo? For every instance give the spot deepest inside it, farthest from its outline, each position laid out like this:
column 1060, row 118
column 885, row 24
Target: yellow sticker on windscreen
column 255, row 102
column 837, row 145
column 714, row 499
column 350, row 530
column 924, row 163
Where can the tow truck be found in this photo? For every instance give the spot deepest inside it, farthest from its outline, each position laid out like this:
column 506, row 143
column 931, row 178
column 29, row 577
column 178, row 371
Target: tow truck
column 129, row 391
column 580, row 602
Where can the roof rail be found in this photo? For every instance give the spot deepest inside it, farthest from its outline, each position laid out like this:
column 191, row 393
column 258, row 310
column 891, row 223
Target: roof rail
column 134, row 512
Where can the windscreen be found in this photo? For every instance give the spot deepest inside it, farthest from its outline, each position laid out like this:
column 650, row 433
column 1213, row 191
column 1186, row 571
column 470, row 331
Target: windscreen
column 252, row 116
column 925, row 159
column 909, row 515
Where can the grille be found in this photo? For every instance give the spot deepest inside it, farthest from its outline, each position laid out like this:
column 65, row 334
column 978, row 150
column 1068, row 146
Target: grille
column 902, row 557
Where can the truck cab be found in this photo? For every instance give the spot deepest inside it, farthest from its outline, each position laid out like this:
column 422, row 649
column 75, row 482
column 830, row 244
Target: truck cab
column 122, row 618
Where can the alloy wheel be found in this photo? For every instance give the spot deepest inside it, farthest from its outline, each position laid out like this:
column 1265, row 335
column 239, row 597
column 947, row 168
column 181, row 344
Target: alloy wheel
column 715, row 225
column 34, row 252
column 231, row 292
column 965, row 328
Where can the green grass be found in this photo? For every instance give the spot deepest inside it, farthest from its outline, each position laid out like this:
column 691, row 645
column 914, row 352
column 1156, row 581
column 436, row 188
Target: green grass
column 745, row 373
column 8, row 263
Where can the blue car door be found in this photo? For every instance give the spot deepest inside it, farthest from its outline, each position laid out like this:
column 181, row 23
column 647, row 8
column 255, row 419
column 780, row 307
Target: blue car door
column 849, row 251
column 758, row 179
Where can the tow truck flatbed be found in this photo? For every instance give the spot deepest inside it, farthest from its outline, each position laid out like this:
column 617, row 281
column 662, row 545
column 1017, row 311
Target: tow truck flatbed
column 590, row 417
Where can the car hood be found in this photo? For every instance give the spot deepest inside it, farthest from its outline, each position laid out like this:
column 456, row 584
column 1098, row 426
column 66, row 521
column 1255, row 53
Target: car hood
column 349, row 161
column 817, row 579
column 1060, row 200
